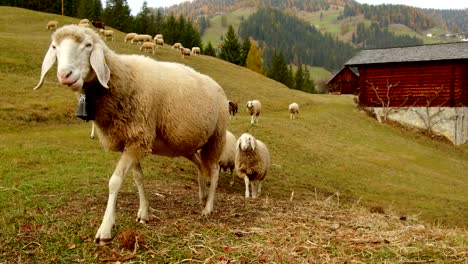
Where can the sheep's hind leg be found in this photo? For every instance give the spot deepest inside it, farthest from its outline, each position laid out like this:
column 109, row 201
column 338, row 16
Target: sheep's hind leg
column 202, row 180
column 247, row 183
column 142, row 216
column 214, row 177
column 125, row 163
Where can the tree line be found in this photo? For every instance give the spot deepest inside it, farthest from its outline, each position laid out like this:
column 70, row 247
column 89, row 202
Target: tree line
column 374, row 36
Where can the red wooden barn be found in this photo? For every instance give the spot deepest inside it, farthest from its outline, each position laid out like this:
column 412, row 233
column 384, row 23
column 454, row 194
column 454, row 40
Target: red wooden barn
column 429, row 75
column 346, row 81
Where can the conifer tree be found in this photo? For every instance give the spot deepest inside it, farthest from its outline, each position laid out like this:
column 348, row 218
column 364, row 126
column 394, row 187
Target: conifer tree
column 299, row 78
column 309, row 85
column 117, row 15
column 85, row 9
column 290, row 80
column 209, row 50
column 245, row 50
column 254, row 59
column 279, row 69
column 231, row 48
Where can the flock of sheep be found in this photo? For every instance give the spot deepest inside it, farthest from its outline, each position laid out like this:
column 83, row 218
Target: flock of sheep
column 137, row 104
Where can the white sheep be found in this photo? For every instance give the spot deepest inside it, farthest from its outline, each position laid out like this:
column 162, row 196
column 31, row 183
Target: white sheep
column 226, row 161
column 140, row 108
column 107, row 33
column 52, row 25
column 293, row 110
column 148, row 46
column 84, row 22
column 129, row 37
column 158, row 36
column 185, row 51
column 196, row 51
column 177, row 46
column 140, row 38
column 159, row 42
column 254, row 107
column 252, row 163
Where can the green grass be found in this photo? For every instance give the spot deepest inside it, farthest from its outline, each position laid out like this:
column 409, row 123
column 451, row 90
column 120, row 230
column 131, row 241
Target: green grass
column 53, row 178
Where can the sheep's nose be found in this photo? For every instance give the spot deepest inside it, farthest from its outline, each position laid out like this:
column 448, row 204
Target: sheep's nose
column 64, row 74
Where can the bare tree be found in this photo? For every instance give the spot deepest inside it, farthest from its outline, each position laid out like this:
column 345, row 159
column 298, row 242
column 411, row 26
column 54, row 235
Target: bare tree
column 428, row 118
column 385, row 102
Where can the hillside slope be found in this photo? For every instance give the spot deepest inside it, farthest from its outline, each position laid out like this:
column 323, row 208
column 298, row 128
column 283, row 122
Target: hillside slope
column 53, row 182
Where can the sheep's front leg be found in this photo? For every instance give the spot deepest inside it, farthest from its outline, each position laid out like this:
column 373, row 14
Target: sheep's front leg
column 142, row 216
column 247, row 183
column 214, row 177
column 92, row 130
column 252, row 119
column 125, row 163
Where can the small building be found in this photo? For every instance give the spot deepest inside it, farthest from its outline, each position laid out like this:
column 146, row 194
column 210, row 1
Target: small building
column 424, row 86
column 346, row 81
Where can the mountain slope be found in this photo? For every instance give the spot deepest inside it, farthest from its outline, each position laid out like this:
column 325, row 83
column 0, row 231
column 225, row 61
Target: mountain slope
column 54, row 179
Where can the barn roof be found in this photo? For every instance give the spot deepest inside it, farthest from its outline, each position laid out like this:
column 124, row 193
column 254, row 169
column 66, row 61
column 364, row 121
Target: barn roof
column 436, row 52
column 343, row 69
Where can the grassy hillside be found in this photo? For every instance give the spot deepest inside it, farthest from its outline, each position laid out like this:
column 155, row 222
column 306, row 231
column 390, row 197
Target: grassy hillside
column 54, row 179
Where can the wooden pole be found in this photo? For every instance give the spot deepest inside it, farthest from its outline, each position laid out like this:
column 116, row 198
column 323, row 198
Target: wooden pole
column 62, row 8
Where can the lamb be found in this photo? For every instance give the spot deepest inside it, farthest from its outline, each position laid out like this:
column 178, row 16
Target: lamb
column 233, row 107
column 52, row 25
column 176, row 46
column 84, row 23
column 107, row 34
column 139, row 107
column 293, row 110
column 254, row 107
column 196, row 51
column 98, row 24
column 184, row 51
column 129, row 37
column 148, row 46
column 226, row 161
column 251, row 163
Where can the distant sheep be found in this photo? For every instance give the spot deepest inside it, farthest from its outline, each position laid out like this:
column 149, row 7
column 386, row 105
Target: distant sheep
column 177, row 45
column 226, row 161
column 252, row 163
column 185, row 51
column 159, row 42
column 141, row 38
column 140, row 108
column 233, row 108
column 129, row 37
column 84, row 22
column 196, row 51
column 158, row 36
column 52, row 25
column 254, row 107
column 107, row 34
column 98, row 24
column 148, row 46
column 293, row 110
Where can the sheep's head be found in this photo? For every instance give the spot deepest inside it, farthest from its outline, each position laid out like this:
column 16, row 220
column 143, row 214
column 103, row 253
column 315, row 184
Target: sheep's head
column 246, row 141
column 79, row 53
column 249, row 104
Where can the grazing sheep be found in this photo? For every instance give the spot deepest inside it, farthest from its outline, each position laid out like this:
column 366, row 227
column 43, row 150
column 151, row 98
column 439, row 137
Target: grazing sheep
column 84, row 23
column 293, row 110
column 252, row 163
column 98, row 24
column 139, row 107
column 141, row 38
column 226, row 161
column 176, row 46
column 233, row 107
column 184, row 51
column 254, row 107
column 148, row 46
column 196, row 51
column 129, row 37
column 159, row 42
column 52, row 25
column 107, row 34
column 158, row 36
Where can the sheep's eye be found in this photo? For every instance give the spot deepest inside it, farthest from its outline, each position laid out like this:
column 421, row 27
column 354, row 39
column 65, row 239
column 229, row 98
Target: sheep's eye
column 53, row 46
column 88, row 45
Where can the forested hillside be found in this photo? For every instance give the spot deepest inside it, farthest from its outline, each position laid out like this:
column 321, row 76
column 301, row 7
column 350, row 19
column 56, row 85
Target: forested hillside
column 297, row 40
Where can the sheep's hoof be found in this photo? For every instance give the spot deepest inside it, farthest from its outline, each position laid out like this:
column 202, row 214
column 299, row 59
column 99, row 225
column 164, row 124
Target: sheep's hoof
column 205, row 212
column 91, row 137
column 141, row 220
column 102, row 241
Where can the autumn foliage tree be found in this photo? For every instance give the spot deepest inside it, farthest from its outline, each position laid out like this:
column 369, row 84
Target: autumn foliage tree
column 254, row 59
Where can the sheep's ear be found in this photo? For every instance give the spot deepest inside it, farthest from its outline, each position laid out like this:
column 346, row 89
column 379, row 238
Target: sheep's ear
column 49, row 60
column 253, row 143
column 98, row 63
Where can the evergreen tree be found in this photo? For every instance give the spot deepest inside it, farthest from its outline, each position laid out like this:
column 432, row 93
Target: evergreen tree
column 143, row 20
column 245, row 50
column 254, row 59
column 117, row 15
column 191, row 37
column 309, row 85
column 290, row 79
column 209, row 50
column 299, row 78
column 97, row 10
column 231, row 48
column 279, row 69
column 85, row 9
column 159, row 22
